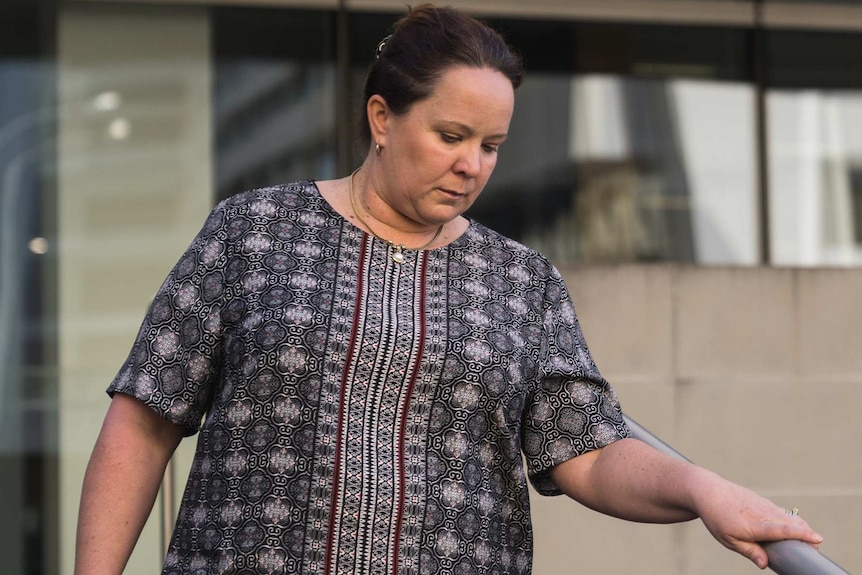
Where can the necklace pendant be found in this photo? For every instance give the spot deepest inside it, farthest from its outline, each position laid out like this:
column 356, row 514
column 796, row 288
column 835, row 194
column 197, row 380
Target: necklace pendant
column 398, row 255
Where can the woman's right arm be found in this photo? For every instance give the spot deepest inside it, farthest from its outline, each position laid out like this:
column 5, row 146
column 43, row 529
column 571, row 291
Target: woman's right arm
column 121, row 484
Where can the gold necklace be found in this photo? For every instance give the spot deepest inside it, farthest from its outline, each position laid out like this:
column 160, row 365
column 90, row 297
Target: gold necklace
column 398, row 250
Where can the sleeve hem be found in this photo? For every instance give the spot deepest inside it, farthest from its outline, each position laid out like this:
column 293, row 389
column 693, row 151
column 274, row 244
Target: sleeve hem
column 189, row 429
column 540, row 477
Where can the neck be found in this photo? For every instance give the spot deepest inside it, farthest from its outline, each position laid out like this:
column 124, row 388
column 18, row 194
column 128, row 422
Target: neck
column 355, row 206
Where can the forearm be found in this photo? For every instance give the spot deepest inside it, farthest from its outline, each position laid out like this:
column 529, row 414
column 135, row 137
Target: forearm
column 630, row 480
column 633, row 481
column 120, row 487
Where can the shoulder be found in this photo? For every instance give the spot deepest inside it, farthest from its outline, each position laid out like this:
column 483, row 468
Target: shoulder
column 277, row 210
column 482, row 241
column 268, row 205
column 289, row 195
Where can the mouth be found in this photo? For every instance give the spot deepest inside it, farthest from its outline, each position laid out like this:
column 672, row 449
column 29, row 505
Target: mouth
column 453, row 193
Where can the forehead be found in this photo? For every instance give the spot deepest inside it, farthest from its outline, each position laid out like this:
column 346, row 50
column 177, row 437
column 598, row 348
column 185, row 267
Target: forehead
column 482, row 98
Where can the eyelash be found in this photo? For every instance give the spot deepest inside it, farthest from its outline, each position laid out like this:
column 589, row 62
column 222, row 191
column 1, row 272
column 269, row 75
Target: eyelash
column 450, row 139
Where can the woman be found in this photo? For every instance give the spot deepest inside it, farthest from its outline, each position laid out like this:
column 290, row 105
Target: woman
column 369, row 365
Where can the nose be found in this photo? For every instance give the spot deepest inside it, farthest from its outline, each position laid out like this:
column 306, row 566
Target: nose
column 469, row 162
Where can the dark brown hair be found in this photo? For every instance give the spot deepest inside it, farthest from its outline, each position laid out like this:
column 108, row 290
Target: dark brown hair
column 423, row 45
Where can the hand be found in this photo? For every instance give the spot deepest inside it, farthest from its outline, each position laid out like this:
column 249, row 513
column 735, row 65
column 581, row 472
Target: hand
column 740, row 519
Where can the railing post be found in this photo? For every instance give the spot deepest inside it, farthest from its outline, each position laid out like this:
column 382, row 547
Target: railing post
column 785, row 557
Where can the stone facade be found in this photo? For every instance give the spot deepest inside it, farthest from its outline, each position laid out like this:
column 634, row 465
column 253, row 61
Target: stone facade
column 754, row 373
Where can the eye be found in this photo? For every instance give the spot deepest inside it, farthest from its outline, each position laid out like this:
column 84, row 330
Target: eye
column 449, row 138
column 491, row 148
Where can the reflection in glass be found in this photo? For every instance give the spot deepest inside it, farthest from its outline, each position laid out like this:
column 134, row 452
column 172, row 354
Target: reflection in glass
column 28, row 381
column 815, row 168
column 630, row 143
column 274, row 97
column 814, row 111
column 602, row 168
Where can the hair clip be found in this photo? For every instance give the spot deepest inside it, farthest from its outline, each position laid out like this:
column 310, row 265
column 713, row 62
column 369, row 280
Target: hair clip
column 381, row 46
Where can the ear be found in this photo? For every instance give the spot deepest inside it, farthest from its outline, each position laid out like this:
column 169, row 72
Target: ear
column 378, row 119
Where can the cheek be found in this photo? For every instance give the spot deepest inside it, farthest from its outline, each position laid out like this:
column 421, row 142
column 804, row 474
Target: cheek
column 483, row 177
column 488, row 167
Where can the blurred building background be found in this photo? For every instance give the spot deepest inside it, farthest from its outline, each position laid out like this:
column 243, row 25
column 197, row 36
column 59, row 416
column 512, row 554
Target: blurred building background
column 693, row 166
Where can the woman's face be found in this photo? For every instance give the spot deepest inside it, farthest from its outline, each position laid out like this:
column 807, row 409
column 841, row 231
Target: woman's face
column 438, row 156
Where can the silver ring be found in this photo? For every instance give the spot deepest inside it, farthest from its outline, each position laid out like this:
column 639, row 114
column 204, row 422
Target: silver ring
column 792, row 512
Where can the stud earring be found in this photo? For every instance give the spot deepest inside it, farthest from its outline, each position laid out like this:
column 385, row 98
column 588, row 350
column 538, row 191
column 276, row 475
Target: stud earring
column 377, row 149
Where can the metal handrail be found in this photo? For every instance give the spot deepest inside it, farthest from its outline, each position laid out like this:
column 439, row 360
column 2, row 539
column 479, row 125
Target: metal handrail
column 785, row 557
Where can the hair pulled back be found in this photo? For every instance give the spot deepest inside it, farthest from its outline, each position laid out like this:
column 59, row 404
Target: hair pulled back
column 424, row 44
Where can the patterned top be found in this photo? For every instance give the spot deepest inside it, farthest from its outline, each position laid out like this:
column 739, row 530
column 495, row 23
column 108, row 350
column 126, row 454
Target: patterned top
column 361, row 416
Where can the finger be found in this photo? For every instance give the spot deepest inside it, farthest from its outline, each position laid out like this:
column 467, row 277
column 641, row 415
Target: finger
column 788, row 528
column 794, row 527
column 754, row 552
column 799, row 529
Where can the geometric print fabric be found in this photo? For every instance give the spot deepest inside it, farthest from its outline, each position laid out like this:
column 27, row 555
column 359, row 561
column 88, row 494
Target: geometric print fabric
column 356, row 415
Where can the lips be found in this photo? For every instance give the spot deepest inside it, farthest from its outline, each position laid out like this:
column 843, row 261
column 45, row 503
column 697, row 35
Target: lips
column 453, row 193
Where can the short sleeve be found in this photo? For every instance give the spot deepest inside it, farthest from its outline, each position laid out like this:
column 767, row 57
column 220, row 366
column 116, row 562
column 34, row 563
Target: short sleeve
column 571, row 409
column 175, row 360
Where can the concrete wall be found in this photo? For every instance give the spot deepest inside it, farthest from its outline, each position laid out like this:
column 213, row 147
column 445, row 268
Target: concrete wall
column 753, row 373
column 134, row 185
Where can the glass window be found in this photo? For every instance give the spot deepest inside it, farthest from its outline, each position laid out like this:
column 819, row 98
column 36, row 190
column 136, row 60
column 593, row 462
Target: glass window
column 629, row 143
column 814, row 112
column 28, row 384
column 274, row 97
column 366, row 30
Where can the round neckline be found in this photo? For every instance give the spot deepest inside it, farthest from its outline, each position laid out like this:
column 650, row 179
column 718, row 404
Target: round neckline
column 470, row 223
